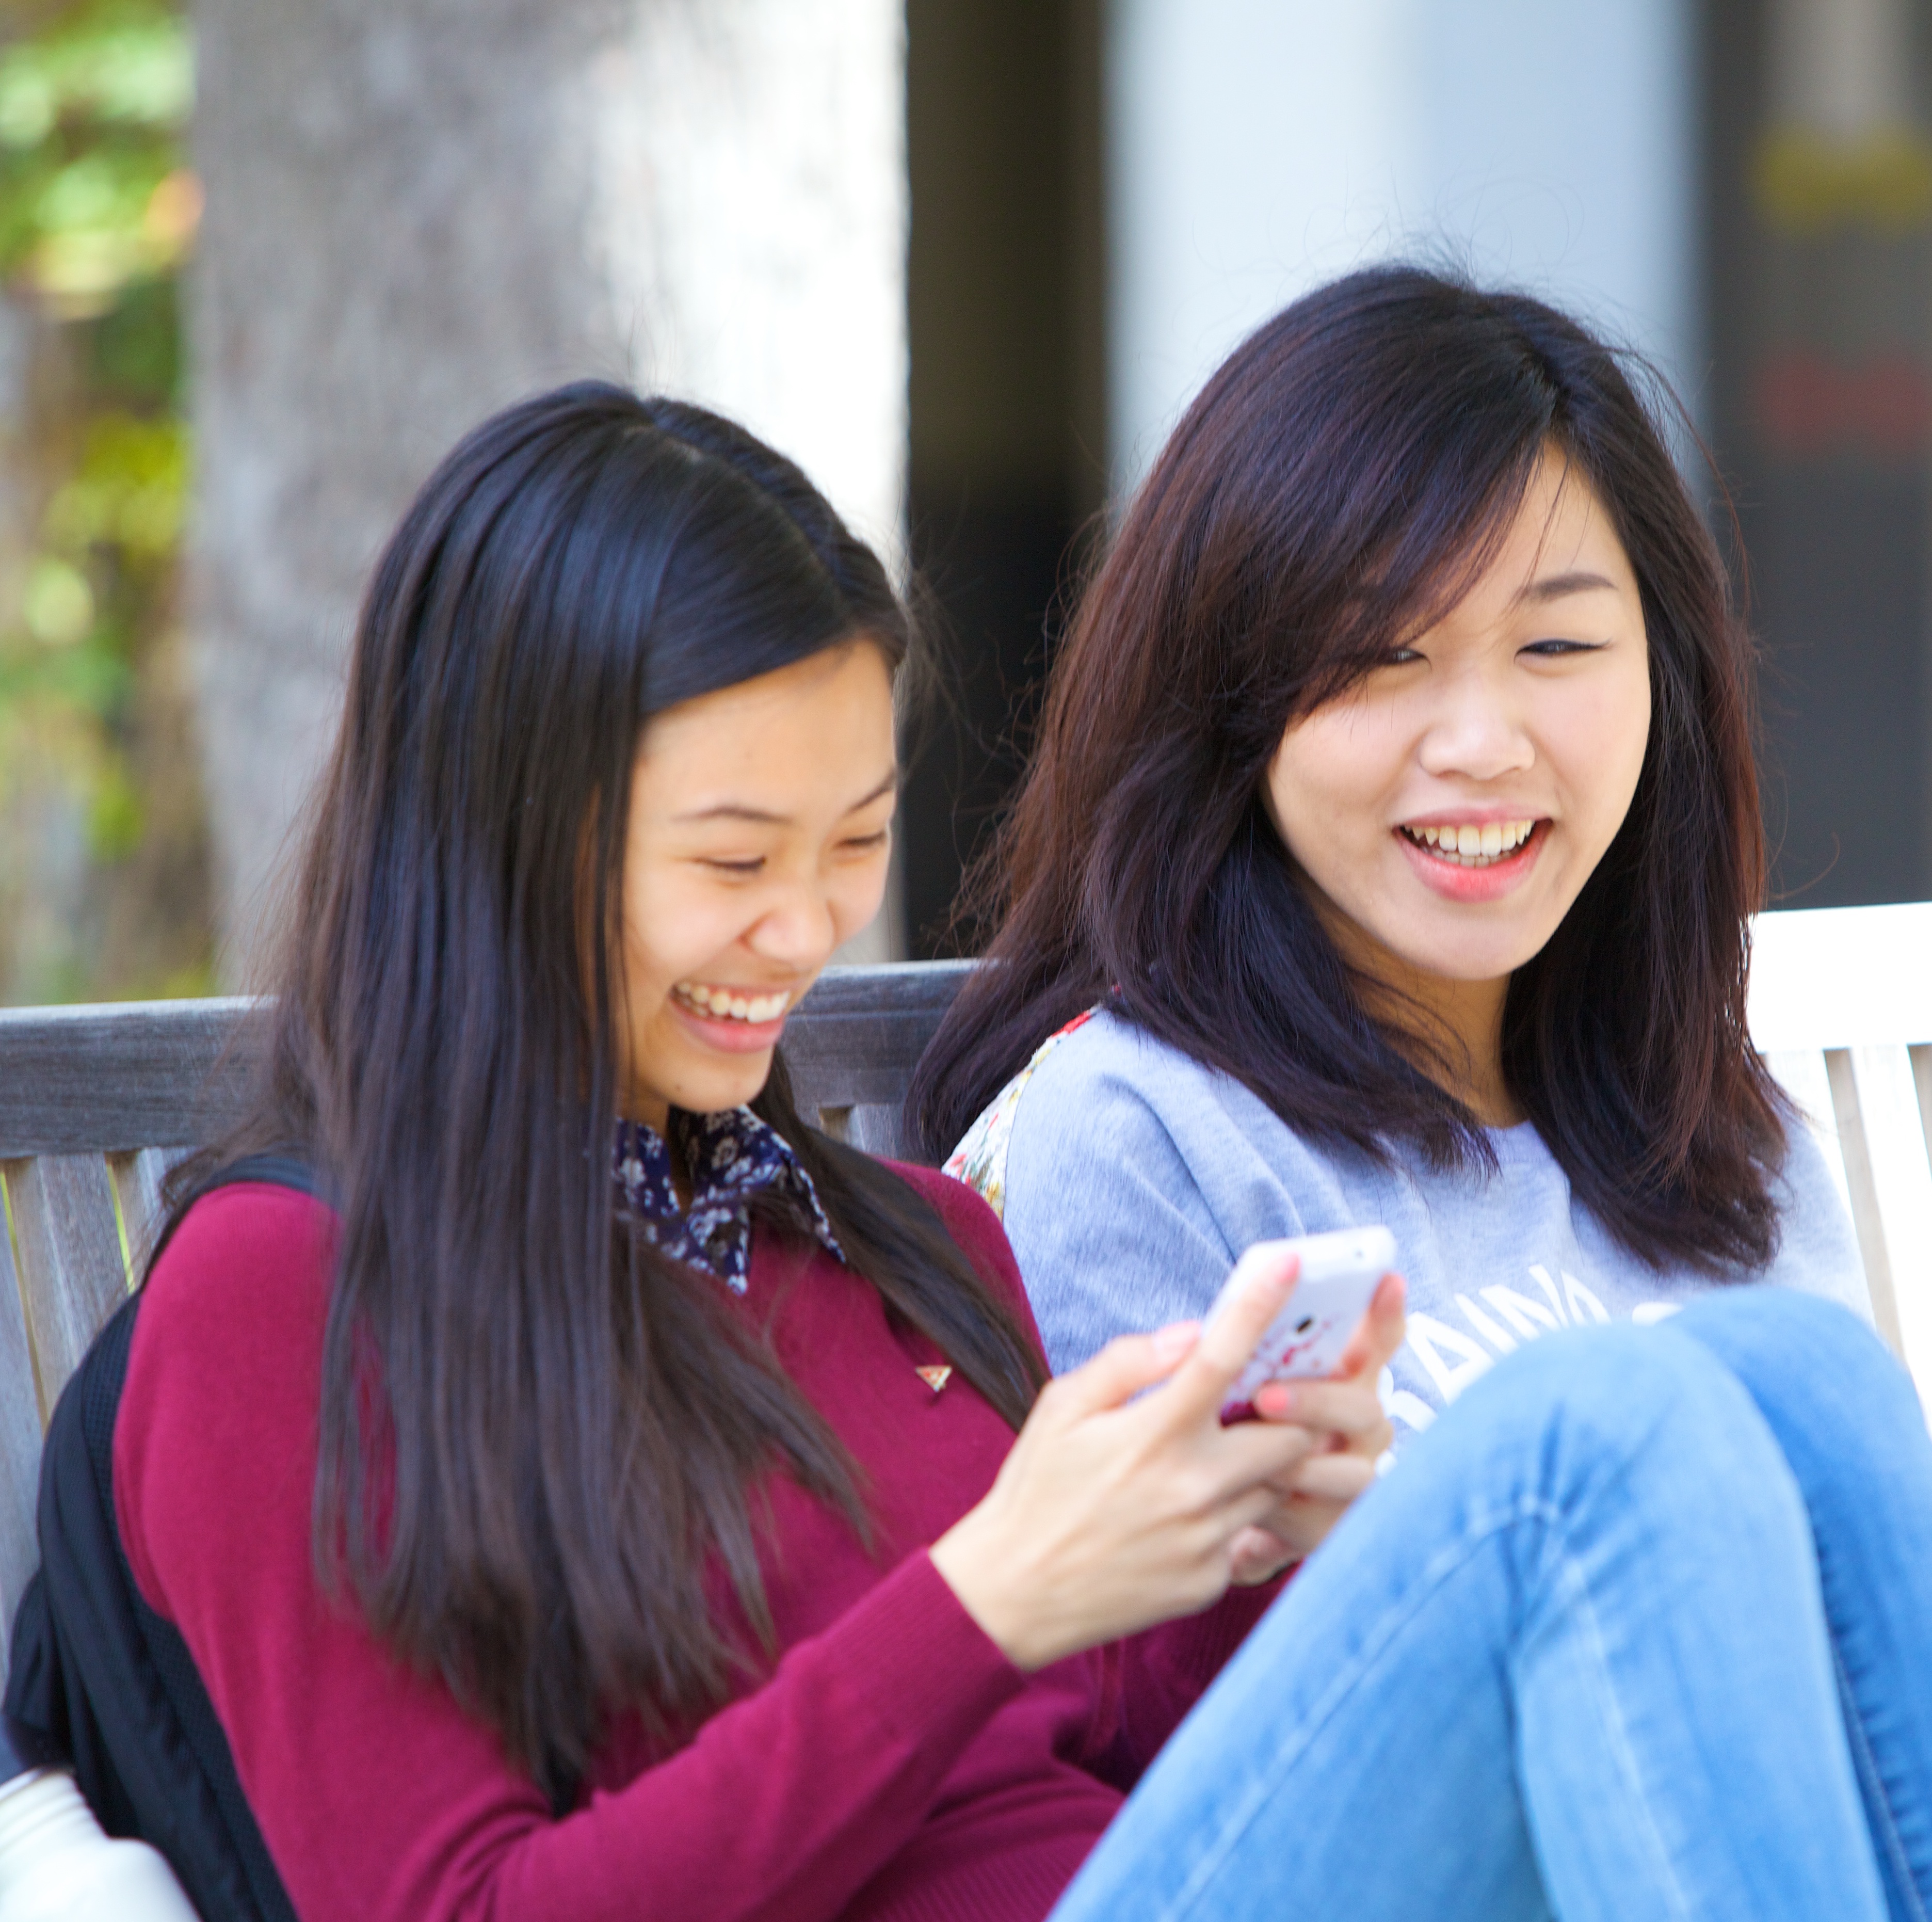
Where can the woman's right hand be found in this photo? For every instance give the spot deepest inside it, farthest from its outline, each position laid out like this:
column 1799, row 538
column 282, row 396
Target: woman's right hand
column 1112, row 1512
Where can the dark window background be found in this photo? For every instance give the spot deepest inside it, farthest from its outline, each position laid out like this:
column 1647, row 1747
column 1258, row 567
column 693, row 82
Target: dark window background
column 1817, row 249
column 1008, row 403
column 1820, row 320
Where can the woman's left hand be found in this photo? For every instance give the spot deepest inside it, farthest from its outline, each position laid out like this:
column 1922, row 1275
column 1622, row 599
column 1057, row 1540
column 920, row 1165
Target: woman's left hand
column 1347, row 1410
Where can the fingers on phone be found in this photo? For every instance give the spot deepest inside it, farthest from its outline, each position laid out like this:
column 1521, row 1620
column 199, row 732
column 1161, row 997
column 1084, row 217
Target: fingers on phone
column 1231, row 1334
column 1174, row 1342
column 1379, row 1333
column 1348, row 1408
column 1388, row 1306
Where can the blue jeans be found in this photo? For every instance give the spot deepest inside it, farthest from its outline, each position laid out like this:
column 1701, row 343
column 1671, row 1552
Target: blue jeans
column 1642, row 1627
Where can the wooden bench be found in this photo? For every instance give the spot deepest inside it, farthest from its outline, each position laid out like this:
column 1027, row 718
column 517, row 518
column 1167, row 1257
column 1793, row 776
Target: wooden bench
column 96, row 1103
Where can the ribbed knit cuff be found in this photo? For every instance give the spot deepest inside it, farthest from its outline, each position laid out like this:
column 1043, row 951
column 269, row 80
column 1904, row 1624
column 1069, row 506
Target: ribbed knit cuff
column 933, row 1672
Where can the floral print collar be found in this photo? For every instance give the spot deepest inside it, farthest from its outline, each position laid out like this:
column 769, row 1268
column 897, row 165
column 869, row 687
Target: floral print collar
column 730, row 1157
column 980, row 1159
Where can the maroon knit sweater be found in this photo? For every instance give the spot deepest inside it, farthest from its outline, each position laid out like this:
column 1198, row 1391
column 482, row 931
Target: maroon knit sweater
column 891, row 1763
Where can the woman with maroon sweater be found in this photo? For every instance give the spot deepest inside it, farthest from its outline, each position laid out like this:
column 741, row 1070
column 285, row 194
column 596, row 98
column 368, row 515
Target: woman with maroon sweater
column 609, row 1504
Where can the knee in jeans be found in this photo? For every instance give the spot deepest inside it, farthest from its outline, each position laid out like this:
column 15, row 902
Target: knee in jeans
column 1794, row 1323
column 1811, row 1364
column 1610, row 1391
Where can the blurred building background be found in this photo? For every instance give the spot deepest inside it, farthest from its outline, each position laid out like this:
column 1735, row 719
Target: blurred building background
column 966, row 258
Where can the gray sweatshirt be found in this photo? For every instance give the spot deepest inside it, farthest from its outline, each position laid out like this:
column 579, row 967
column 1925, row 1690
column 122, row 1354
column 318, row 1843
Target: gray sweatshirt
column 1130, row 1177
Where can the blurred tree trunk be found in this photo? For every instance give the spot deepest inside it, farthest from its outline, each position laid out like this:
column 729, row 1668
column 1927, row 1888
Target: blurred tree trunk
column 42, row 821
column 104, row 884
column 418, row 210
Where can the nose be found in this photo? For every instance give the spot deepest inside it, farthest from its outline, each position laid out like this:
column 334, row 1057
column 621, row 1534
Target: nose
column 798, row 929
column 1477, row 731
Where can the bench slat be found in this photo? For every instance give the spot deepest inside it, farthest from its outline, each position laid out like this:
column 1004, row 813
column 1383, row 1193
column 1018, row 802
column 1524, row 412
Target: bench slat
column 1842, row 977
column 1802, row 1074
column 852, row 1042
column 137, row 1182
column 1921, row 1074
column 1863, row 1196
column 19, row 1444
column 72, row 1273
column 1893, row 1144
column 877, row 1127
column 114, row 1080
column 117, row 1079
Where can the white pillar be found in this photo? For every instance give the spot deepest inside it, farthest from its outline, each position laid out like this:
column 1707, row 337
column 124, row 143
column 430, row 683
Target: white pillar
column 1256, row 148
column 750, row 221
column 418, row 210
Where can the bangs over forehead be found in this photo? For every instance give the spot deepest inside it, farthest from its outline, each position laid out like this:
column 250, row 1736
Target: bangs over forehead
column 1420, row 577
column 1382, row 471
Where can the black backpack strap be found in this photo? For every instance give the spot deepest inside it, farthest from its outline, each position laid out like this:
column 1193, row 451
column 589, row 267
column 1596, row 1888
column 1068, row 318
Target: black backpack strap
column 102, row 1683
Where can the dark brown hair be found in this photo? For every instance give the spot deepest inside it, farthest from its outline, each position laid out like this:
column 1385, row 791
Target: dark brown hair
column 537, row 1432
column 1337, row 485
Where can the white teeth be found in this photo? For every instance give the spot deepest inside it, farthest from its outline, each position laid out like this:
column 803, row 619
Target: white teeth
column 1468, row 846
column 723, row 1003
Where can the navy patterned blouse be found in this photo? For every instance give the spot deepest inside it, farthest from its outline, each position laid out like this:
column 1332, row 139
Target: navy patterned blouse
column 730, row 1157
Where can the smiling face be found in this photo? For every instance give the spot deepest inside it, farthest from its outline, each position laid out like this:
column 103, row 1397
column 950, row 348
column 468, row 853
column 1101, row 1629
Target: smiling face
column 758, row 839
column 1449, row 807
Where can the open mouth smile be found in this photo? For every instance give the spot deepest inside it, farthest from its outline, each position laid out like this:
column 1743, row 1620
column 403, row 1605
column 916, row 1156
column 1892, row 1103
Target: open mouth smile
column 725, row 1004
column 1468, row 844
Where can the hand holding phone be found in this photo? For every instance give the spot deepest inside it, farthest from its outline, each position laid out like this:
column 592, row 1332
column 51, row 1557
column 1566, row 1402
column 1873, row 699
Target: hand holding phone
column 1338, row 1275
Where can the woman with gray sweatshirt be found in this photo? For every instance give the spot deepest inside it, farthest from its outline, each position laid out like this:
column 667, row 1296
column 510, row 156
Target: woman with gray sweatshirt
column 1388, row 856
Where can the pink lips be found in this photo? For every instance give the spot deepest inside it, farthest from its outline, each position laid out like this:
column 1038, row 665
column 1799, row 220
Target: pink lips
column 726, row 1035
column 1489, row 883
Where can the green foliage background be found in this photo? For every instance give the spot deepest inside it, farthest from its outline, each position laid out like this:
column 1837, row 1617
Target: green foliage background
column 97, row 216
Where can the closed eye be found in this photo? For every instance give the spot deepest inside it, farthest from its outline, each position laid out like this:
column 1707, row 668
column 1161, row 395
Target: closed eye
column 863, row 844
column 748, row 867
column 1550, row 650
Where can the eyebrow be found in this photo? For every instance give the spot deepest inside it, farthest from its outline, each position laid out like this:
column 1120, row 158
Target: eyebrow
column 1554, row 586
column 764, row 817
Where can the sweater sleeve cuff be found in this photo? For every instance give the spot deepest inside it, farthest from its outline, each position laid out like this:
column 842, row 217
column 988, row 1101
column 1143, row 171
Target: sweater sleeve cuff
column 934, row 1673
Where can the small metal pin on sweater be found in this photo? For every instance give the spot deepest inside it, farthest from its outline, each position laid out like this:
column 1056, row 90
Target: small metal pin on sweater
column 935, row 1378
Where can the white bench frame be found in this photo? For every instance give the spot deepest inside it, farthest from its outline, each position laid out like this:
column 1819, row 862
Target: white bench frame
column 1841, row 1004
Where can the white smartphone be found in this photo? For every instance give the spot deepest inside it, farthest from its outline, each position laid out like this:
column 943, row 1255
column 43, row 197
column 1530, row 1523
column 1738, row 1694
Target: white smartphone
column 1338, row 1273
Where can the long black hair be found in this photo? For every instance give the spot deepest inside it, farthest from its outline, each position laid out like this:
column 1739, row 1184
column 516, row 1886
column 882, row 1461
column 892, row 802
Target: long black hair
column 536, row 1432
column 1338, row 483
